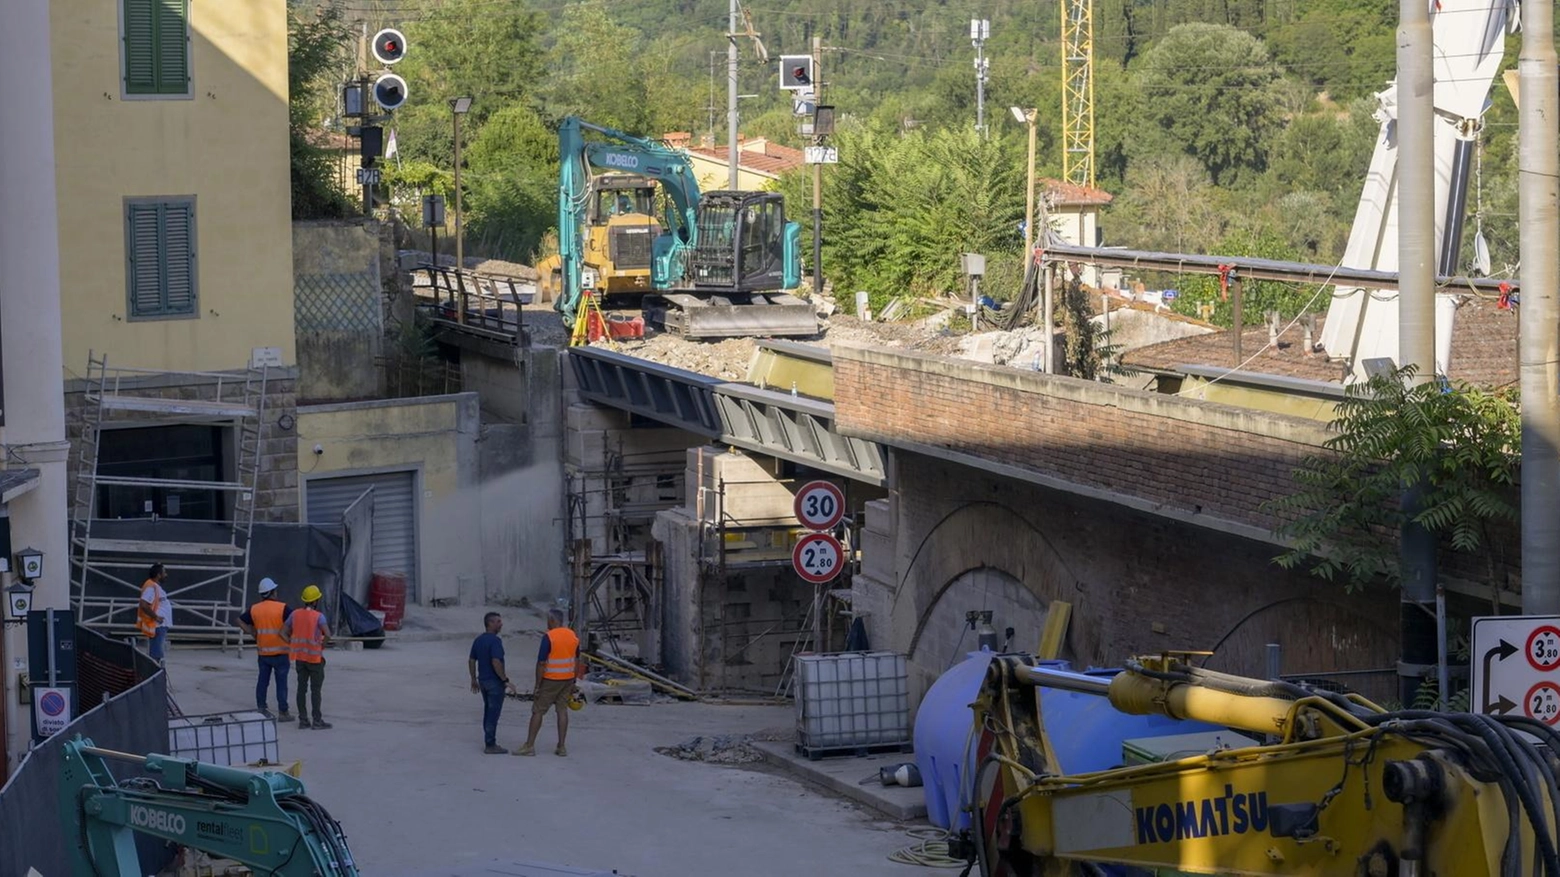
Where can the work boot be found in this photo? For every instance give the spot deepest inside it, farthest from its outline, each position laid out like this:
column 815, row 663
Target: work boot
column 320, row 724
column 527, row 749
column 495, row 750
column 561, row 751
column 303, row 722
column 284, row 716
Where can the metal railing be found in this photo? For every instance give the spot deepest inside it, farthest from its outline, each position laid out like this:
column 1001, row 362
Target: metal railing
column 488, row 303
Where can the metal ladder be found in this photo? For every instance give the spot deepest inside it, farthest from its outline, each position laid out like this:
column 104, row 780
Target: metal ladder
column 802, row 644
column 250, row 437
column 85, row 505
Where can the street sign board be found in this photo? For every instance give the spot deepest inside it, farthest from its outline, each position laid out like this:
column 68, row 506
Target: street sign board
column 817, row 557
column 51, row 710
column 819, row 505
column 368, row 176
column 1516, row 666
column 821, row 154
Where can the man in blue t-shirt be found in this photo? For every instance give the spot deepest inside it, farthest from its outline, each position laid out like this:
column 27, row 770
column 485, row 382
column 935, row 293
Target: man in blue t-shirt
column 489, row 679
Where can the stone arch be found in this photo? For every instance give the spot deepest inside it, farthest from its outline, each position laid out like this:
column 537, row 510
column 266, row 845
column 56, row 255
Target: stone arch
column 1337, row 634
column 992, row 536
column 984, row 587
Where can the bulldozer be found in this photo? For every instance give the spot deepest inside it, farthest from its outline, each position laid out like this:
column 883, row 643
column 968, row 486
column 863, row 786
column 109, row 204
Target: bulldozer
column 619, row 234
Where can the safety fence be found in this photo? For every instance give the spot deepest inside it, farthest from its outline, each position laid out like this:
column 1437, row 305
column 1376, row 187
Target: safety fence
column 131, row 715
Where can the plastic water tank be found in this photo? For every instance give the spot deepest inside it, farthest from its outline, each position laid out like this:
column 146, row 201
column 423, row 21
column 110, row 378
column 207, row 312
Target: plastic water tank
column 1086, row 733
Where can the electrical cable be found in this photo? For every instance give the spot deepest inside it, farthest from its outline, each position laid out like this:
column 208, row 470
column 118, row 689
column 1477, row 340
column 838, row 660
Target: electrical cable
column 929, row 851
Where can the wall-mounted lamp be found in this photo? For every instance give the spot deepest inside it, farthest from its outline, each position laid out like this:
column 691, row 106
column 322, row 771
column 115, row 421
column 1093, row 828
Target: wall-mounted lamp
column 29, row 564
column 18, row 602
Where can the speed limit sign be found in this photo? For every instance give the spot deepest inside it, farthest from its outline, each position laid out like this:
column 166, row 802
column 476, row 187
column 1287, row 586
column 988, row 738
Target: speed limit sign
column 819, row 505
column 817, row 557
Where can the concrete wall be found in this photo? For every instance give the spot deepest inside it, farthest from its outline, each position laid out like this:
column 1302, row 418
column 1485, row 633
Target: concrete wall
column 1131, row 328
column 338, row 302
column 276, row 500
column 1138, row 583
column 436, row 436
column 225, row 143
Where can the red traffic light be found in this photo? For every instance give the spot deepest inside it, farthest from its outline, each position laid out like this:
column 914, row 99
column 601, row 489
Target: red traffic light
column 389, row 46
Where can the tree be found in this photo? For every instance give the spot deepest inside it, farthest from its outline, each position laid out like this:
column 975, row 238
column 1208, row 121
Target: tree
column 513, row 193
column 315, row 47
column 1210, row 91
column 594, row 71
column 1460, row 443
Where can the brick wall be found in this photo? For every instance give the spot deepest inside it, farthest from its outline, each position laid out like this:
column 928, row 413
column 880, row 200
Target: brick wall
column 1191, row 459
column 276, row 499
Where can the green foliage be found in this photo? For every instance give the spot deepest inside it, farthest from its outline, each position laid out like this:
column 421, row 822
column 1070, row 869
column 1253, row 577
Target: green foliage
column 1211, row 91
column 1460, row 443
column 1086, row 353
column 1258, row 296
column 513, row 194
column 593, row 71
column 315, row 38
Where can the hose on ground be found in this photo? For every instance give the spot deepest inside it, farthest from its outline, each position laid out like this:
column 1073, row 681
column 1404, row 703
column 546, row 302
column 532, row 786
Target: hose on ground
column 929, row 851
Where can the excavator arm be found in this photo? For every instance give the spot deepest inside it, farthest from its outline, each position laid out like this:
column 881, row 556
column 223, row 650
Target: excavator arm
column 620, row 151
column 1334, row 786
column 262, row 820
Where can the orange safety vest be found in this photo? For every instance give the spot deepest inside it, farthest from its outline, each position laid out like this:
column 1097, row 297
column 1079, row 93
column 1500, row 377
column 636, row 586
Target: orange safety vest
column 308, row 639
column 268, row 627
column 561, row 652
column 147, row 624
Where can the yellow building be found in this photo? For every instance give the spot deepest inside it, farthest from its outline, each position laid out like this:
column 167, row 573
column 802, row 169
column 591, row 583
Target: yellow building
column 172, row 167
column 759, row 162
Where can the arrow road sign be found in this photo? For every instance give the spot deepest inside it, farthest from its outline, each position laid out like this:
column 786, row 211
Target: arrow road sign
column 1504, row 683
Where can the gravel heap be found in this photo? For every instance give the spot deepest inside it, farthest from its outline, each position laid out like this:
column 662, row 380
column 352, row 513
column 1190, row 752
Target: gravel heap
column 724, row 749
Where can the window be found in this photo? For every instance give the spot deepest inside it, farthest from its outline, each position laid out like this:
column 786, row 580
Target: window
column 184, row 452
column 156, row 47
column 160, row 258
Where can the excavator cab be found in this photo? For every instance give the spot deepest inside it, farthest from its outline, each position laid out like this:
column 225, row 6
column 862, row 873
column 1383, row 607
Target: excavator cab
column 743, row 244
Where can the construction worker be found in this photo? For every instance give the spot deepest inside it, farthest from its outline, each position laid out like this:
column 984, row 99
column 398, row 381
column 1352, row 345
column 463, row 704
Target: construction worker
column 263, row 621
column 556, row 669
column 490, row 679
column 154, row 613
column 307, row 631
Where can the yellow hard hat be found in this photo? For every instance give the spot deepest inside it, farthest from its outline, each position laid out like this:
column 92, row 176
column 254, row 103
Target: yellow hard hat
column 576, row 700
column 311, row 593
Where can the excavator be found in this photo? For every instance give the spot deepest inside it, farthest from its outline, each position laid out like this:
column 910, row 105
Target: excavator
column 1303, row 781
column 719, row 265
column 262, row 820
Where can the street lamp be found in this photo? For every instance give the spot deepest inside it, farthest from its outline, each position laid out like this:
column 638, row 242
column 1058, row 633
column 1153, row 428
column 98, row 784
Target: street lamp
column 459, row 107
column 1027, row 117
column 18, row 602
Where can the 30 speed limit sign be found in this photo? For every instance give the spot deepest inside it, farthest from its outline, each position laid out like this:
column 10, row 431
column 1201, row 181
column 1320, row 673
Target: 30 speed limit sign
column 819, row 505
column 817, row 557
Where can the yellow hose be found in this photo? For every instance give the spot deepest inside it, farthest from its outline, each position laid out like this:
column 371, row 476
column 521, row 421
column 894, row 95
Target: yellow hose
column 930, row 850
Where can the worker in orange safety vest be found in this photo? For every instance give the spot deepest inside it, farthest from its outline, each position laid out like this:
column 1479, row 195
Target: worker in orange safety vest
column 557, row 666
column 263, row 621
column 154, row 613
column 306, row 630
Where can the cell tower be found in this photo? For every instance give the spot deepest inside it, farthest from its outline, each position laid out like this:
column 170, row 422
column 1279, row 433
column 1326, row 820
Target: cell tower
column 1078, row 92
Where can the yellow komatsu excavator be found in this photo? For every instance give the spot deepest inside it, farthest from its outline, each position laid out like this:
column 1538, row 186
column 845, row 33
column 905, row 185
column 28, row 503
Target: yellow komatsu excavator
column 1330, row 784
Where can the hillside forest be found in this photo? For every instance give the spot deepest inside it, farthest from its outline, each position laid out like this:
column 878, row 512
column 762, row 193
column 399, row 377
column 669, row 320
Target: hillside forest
column 1239, row 127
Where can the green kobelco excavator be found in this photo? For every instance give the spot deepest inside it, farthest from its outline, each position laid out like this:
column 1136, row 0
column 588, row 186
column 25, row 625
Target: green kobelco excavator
column 719, row 266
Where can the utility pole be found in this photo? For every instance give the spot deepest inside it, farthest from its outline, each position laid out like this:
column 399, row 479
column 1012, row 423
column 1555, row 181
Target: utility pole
column 1416, row 317
column 731, row 98
column 1538, row 163
column 817, row 216
column 980, row 31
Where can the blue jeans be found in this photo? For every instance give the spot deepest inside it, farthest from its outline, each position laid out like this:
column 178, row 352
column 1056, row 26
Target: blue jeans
column 157, row 646
column 269, row 664
column 492, row 705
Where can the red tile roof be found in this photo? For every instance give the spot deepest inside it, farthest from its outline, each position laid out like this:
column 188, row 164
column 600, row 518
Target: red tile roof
column 1064, row 194
column 1484, row 350
column 753, row 160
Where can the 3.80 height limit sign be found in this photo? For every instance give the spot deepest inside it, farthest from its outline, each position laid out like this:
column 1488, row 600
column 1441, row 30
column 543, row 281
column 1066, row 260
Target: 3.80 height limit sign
column 818, row 556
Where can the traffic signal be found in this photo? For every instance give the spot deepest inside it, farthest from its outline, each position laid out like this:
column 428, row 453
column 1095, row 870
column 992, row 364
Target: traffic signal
column 389, row 91
column 389, row 46
column 796, row 72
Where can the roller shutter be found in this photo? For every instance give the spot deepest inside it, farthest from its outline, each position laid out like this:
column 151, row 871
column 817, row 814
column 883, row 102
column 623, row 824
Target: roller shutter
column 395, row 517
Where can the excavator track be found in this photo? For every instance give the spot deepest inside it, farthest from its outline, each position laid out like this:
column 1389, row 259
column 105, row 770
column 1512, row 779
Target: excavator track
column 768, row 315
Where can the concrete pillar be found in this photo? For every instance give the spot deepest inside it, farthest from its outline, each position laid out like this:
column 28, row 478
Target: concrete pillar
column 30, row 341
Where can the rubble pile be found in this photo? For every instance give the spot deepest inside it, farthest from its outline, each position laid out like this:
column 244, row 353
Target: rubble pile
column 723, row 749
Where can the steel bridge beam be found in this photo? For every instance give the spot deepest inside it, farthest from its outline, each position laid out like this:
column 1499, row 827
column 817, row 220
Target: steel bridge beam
column 763, row 421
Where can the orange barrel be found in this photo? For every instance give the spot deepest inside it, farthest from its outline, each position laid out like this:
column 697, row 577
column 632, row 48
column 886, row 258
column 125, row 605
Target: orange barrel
column 387, row 594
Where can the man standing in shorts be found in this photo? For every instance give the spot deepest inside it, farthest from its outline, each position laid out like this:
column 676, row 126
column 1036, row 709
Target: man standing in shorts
column 555, row 674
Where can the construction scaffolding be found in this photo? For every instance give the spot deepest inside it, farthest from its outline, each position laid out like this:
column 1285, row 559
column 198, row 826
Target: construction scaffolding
column 207, row 561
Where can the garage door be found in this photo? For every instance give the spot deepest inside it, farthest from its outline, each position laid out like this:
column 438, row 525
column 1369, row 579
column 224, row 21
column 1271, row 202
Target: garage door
column 395, row 520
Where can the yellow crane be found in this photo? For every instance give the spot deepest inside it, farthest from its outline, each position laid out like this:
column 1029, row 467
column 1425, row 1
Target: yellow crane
column 1078, row 92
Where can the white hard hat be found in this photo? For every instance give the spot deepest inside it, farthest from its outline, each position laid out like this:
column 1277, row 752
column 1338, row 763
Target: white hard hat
column 267, row 586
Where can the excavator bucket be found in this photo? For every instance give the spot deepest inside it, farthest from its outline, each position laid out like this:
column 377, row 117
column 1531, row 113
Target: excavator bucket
column 765, row 315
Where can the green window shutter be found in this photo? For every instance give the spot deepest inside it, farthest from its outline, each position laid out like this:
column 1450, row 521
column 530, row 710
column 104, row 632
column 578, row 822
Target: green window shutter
column 178, row 258
column 160, row 255
column 145, row 254
column 140, row 46
column 173, row 47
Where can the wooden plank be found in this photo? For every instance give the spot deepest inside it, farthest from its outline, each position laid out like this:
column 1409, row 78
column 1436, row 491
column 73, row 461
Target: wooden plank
column 152, row 405
column 1055, row 632
column 152, row 546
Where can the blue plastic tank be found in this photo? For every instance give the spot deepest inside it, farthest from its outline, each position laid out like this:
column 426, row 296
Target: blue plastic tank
column 1086, row 733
